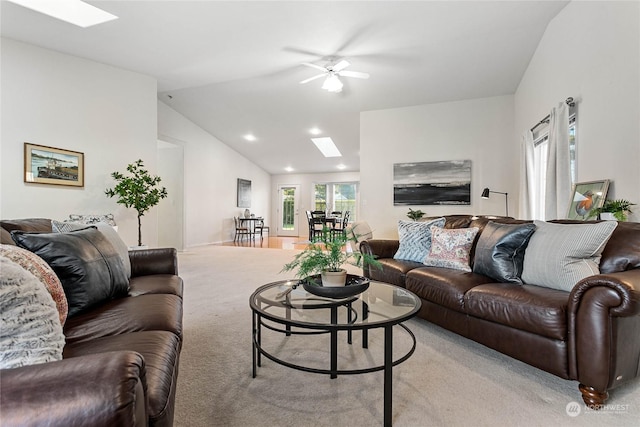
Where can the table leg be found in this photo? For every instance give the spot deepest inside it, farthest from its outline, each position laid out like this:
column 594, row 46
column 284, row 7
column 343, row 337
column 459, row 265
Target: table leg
column 365, row 332
column 388, row 365
column 349, row 320
column 253, row 344
column 334, row 343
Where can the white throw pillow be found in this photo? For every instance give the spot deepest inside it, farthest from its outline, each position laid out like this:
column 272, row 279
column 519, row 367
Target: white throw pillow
column 107, row 230
column 415, row 239
column 30, row 328
column 560, row 255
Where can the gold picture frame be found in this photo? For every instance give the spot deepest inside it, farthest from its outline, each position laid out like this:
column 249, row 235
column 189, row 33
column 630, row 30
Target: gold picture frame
column 50, row 165
column 587, row 196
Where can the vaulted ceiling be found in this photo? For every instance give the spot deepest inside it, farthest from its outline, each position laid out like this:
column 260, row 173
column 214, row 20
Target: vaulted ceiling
column 234, row 67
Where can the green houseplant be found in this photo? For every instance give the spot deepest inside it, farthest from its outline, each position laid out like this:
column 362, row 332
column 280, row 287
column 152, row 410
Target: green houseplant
column 326, row 256
column 138, row 190
column 415, row 215
column 619, row 208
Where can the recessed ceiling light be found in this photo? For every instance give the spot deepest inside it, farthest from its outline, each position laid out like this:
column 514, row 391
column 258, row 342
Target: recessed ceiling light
column 327, row 147
column 74, row 12
column 341, row 166
column 250, row 137
column 289, row 169
column 315, row 131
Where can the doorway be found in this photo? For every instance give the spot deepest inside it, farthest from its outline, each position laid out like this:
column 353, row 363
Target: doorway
column 171, row 209
column 289, row 200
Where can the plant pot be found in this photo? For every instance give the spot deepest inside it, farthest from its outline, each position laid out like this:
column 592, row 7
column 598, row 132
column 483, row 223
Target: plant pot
column 607, row 216
column 334, row 278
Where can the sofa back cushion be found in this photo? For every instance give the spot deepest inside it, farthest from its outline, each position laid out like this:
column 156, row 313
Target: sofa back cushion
column 41, row 225
column 86, row 263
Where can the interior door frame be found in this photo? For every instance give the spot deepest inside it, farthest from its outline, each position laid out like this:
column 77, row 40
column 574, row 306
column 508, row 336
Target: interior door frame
column 296, row 216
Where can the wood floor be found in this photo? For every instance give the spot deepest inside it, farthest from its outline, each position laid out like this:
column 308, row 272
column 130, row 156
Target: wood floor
column 271, row 242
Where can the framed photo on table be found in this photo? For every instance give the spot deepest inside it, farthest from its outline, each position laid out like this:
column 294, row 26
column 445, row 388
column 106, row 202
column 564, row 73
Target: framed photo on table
column 587, row 196
column 49, row 165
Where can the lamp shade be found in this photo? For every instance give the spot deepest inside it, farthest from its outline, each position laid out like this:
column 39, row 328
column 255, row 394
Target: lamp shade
column 485, row 193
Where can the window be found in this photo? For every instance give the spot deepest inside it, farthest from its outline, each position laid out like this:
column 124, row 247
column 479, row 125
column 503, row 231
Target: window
column 540, row 155
column 338, row 196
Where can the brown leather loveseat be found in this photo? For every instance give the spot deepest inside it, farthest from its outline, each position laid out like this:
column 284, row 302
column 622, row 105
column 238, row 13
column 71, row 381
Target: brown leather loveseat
column 590, row 334
column 120, row 359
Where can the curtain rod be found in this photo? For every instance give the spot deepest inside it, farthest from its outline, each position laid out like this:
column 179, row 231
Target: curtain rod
column 569, row 101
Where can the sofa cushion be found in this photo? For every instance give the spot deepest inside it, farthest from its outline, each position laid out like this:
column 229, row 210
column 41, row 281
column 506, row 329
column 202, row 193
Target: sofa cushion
column 451, row 248
column 500, row 251
column 86, row 263
column 393, row 271
column 534, row 309
column 160, row 350
column 109, row 232
column 560, row 255
column 443, row 286
column 415, row 239
column 622, row 251
column 160, row 312
column 30, row 329
column 156, row 284
column 43, row 272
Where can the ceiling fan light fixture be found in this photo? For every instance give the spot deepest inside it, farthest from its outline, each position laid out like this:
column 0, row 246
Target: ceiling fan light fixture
column 332, row 83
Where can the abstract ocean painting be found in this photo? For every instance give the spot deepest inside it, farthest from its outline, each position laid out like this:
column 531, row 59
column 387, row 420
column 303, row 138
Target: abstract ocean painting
column 432, row 183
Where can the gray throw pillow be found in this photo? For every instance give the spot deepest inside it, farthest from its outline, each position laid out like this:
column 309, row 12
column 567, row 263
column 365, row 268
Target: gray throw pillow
column 415, row 239
column 500, row 251
column 30, row 328
column 86, row 263
column 560, row 255
column 109, row 232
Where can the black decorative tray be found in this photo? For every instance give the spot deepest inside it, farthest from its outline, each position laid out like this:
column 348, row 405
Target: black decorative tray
column 354, row 286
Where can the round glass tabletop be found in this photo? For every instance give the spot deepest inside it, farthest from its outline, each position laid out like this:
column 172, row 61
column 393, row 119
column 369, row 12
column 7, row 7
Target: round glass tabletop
column 381, row 304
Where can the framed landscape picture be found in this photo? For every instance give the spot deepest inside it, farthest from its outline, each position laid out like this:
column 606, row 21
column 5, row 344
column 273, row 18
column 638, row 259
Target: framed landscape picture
column 432, row 183
column 244, row 193
column 49, row 165
column 587, row 196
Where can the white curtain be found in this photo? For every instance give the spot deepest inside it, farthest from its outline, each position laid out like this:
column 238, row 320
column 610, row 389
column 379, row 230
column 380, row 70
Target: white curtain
column 527, row 176
column 558, row 178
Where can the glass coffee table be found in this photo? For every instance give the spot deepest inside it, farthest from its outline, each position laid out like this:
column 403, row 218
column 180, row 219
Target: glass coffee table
column 281, row 307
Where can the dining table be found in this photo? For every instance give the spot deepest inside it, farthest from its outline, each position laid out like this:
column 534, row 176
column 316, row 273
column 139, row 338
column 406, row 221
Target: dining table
column 251, row 224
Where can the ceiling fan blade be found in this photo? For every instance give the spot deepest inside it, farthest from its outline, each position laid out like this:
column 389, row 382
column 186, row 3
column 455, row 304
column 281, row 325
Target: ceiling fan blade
column 340, row 65
column 317, row 67
column 312, row 78
column 356, row 74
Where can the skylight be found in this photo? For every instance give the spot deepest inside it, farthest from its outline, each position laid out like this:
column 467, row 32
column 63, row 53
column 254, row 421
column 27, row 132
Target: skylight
column 74, row 12
column 327, row 147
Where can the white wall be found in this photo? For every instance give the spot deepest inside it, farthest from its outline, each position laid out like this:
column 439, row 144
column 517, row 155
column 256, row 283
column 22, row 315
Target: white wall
column 480, row 130
column 591, row 51
column 66, row 102
column 306, row 183
column 211, row 172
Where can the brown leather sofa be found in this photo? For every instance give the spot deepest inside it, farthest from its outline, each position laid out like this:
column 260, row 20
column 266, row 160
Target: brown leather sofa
column 591, row 334
column 120, row 360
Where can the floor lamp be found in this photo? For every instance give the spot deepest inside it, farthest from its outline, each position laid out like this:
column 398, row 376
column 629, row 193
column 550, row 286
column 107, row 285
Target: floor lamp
column 485, row 195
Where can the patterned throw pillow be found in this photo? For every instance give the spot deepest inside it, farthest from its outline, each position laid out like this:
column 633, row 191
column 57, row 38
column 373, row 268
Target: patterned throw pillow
column 30, row 329
column 92, row 219
column 415, row 239
column 560, row 255
column 41, row 270
column 109, row 232
column 450, row 248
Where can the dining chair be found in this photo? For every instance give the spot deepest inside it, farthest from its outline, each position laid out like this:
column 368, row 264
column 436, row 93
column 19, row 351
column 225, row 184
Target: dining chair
column 260, row 227
column 341, row 226
column 241, row 229
column 316, row 224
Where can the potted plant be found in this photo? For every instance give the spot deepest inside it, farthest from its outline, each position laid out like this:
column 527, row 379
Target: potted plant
column 138, row 190
column 617, row 208
column 415, row 215
column 326, row 256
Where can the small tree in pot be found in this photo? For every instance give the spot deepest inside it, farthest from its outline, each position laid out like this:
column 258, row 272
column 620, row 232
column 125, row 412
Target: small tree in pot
column 138, row 190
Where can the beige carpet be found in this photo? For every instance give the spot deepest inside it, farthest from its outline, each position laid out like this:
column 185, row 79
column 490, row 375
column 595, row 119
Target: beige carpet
column 449, row 381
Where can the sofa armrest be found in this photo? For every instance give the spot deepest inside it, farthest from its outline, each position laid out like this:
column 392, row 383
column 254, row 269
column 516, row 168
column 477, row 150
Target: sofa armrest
column 145, row 262
column 380, row 248
column 103, row 389
column 604, row 323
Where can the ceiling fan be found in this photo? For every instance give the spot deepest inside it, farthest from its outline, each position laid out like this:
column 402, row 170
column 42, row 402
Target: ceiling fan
column 332, row 82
